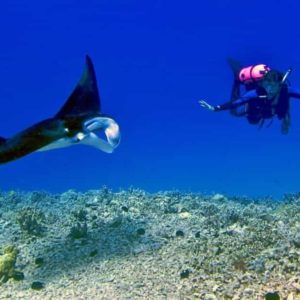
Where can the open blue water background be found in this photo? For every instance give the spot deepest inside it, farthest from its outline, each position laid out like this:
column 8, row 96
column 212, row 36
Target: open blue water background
column 154, row 60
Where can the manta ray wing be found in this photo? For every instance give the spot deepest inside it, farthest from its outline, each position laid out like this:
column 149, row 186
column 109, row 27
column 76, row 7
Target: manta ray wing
column 74, row 124
column 85, row 97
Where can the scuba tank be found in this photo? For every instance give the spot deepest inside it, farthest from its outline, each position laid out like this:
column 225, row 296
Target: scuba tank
column 253, row 73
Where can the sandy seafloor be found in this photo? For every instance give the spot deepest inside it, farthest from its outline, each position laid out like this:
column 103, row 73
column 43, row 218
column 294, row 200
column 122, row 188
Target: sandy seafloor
column 135, row 245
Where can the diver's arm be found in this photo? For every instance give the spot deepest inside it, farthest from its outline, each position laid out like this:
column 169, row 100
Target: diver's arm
column 225, row 106
column 294, row 93
column 230, row 105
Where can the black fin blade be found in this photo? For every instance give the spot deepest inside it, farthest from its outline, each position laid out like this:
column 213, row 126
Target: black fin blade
column 234, row 65
column 85, row 97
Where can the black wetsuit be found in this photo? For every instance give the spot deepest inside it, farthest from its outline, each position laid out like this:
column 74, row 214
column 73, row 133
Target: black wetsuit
column 257, row 105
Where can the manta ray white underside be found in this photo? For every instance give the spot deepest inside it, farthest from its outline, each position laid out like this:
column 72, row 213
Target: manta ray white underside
column 89, row 137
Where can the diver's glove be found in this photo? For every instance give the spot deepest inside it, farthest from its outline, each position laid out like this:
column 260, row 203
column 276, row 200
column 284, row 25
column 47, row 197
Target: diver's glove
column 206, row 105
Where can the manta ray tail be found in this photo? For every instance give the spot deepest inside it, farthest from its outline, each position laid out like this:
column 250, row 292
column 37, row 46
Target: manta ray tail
column 85, row 97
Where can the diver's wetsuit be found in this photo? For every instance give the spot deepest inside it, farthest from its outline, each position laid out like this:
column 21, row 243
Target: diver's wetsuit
column 251, row 96
column 267, row 94
column 257, row 107
column 238, row 103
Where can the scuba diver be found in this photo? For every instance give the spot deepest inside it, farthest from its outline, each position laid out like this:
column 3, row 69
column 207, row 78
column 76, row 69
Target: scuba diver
column 266, row 94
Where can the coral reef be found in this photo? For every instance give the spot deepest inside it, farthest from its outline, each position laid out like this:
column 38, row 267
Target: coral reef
column 136, row 245
column 31, row 221
column 7, row 264
column 79, row 229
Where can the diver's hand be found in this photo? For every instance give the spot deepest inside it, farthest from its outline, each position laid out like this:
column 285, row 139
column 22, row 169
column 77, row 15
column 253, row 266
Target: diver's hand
column 206, row 105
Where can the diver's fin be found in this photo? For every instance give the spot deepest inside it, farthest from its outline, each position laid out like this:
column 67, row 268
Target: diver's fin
column 85, row 97
column 235, row 66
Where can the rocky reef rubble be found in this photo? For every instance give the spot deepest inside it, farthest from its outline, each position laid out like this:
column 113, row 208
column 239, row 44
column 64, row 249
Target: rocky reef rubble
column 137, row 245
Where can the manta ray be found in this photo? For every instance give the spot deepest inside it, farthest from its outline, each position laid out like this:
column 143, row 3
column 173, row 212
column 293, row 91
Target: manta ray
column 79, row 121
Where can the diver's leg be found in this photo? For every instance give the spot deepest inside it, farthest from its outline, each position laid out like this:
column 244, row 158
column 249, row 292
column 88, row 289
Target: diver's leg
column 285, row 123
column 293, row 92
column 241, row 105
column 241, row 111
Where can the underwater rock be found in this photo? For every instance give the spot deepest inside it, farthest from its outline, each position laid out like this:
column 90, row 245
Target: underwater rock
column 184, row 215
column 125, row 208
column 78, row 231
column 234, row 229
column 296, row 240
column 239, row 264
column 185, row 274
column 258, row 265
column 179, row 233
column 117, row 222
column 272, row 296
column 171, row 210
column 18, row 276
column 141, row 231
column 210, row 297
column 197, row 234
column 37, row 285
column 93, row 253
column 218, row 197
column 80, row 215
column 248, row 293
column 39, row 261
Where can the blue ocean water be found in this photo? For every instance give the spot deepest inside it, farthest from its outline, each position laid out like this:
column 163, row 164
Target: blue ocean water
column 154, row 60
